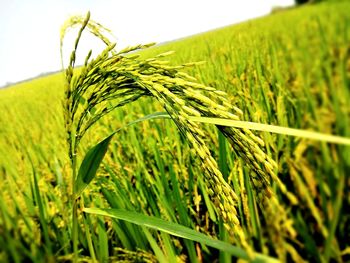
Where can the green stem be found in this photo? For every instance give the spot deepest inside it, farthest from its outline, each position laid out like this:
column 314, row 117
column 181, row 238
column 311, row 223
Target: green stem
column 75, row 211
column 335, row 220
column 75, row 231
column 88, row 235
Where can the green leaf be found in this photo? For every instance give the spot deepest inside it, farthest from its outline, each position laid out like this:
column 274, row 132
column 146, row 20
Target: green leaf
column 176, row 230
column 274, row 129
column 156, row 115
column 95, row 155
column 42, row 212
column 90, row 164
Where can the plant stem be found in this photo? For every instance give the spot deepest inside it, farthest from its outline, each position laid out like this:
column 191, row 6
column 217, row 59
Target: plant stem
column 87, row 233
column 75, row 211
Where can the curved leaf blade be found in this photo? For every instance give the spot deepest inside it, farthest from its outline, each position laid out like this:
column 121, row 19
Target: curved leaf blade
column 90, row 164
column 274, row 129
column 95, row 155
column 176, row 230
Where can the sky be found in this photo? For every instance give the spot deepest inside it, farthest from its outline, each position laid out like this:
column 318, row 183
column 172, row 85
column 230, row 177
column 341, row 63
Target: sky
column 30, row 30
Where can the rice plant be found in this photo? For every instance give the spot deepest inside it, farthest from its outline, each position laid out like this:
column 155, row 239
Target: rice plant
column 114, row 79
column 166, row 167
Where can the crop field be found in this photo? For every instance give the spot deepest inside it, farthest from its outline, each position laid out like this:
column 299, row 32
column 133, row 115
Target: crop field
column 167, row 175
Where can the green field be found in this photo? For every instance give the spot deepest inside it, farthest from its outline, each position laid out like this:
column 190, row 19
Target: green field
column 290, row 69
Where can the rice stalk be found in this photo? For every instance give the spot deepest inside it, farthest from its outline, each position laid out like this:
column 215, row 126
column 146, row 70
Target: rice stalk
column 114, row 79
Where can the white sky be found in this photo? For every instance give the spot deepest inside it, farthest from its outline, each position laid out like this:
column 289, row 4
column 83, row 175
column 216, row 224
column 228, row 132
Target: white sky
column 29, row 29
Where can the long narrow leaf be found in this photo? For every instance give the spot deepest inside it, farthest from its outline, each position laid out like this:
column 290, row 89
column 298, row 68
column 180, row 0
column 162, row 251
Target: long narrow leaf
column 156, row 115
column 176, row 230
column 95, row 155
column 40, row 203
column 274, row 129
column 90, row 164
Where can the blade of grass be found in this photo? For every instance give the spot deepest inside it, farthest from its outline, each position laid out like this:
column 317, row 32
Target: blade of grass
column 182, row 212
column 87, row 226
column 224, row 235
column 90, row 164
column 168, row 247
column 274, row 129
column 176, row 230
column 130, row 235
column 103, row 241
column 335, row 220
column 8, row 239
column 42, row 217
column 153, row 243
column 95, row 155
